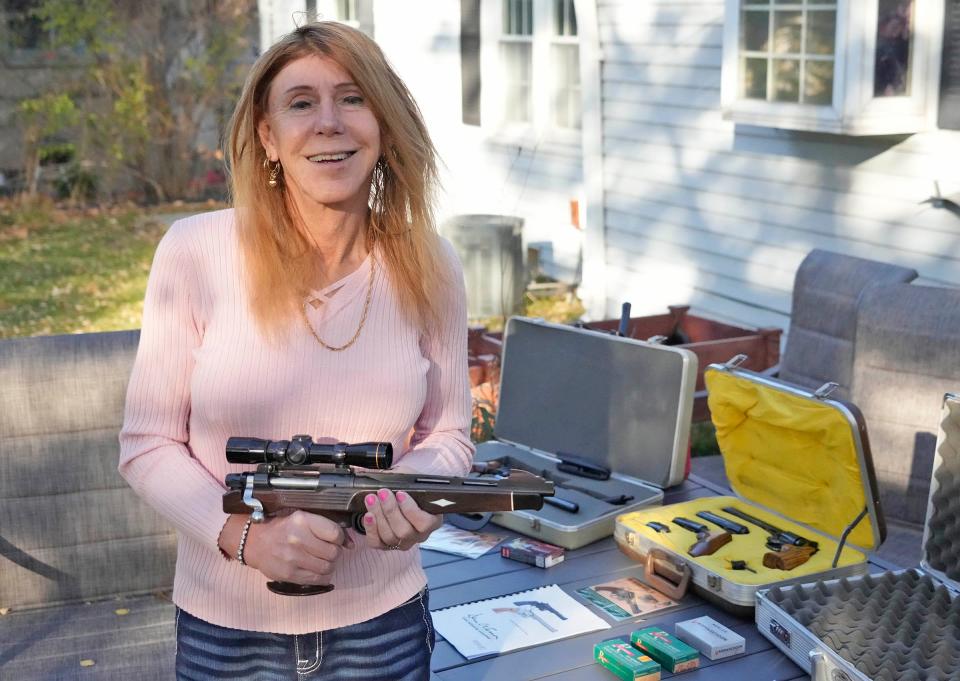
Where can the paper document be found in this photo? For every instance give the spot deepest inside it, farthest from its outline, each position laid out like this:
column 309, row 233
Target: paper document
column 519, row 620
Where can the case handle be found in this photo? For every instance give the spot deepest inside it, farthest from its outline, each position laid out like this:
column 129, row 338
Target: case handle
column 666, row 576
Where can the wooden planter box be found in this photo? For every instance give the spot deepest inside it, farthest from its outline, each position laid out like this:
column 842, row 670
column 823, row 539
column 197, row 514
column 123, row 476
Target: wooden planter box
column 712, row 342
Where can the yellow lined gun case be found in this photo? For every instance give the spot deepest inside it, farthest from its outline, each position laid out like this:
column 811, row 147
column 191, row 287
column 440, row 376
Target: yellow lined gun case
column 900, row 625
column 799, row 465
column 606, row 418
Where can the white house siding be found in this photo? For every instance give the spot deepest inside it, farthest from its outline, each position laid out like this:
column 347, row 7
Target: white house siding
column 699, row 211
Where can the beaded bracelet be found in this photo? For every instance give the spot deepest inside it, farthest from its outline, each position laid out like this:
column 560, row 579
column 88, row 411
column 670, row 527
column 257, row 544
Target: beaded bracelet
column 243, row 541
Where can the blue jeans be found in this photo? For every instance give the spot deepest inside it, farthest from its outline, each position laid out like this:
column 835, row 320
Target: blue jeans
column 395, row 646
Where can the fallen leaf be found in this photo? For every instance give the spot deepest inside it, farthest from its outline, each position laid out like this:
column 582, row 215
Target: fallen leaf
column 122, row 611
column 87, row 663
column 4, row 611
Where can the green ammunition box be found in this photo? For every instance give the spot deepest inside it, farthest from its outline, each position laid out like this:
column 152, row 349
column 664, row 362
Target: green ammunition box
column 626, row 661
column 673, row 654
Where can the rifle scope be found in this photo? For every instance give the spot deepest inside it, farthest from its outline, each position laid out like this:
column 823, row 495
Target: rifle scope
column 301, row 450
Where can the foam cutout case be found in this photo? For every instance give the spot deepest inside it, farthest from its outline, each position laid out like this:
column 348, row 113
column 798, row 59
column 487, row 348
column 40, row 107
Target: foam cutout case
column 573, row 401
column 796, row 460
column 899, row 625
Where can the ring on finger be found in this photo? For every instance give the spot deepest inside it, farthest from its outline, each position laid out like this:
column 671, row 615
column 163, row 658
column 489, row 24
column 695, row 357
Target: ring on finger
column 395, row 547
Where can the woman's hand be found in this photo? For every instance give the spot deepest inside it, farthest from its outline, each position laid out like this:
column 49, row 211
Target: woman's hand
column 300, row 547
column 395, row 522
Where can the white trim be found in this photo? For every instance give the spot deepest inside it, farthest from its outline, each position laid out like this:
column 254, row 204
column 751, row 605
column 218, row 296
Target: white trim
column 855, row 109
column 593, row 289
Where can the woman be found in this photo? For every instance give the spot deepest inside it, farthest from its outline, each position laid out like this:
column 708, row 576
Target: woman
column 323, row 303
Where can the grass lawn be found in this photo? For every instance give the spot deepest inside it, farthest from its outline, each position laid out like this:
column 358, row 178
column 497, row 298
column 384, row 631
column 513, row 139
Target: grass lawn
column 75, row 270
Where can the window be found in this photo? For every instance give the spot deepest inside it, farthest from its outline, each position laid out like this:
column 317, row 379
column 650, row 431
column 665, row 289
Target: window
column 842, row 66
column 787, row 52
column 356, row 13
column 949, row 116
column 23, row 27
column 516, row 59
column 530, row 57
column 347, row 10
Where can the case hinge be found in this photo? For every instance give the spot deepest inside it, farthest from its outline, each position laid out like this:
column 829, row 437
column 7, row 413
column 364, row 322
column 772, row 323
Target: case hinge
column 825, row 390
column 735, row 361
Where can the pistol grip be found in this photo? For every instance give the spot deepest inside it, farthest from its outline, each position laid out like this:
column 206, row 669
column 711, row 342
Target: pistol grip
column 709, row 544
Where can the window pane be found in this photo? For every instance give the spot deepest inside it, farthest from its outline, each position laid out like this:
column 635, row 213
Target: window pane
column 786, row 80
column 566, row 86
column 755, row 31
column 564, row 18
column 892, row 71
column 818, row 82
column 787, row 28
column 518, row 17
column 517, row 66
column 821, row 32
column 754, row 78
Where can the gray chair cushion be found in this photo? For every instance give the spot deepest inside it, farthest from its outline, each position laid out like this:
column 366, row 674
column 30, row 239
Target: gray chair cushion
column 906, row 356
column 70, row 527
column 826, row 290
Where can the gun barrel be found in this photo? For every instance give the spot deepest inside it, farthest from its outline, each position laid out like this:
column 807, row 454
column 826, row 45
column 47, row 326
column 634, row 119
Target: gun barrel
column 690, row 525
column 724, row 523
column 337, row 492
column 781, row 535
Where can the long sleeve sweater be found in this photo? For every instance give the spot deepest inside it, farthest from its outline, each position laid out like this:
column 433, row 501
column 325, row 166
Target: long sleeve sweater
column 204, row 373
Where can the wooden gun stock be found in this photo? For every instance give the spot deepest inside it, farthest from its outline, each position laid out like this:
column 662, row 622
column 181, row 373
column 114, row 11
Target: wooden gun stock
column 709, row 543
column 788, row 557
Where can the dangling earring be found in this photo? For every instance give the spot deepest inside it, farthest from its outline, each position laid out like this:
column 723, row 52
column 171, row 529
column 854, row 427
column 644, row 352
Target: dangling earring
column 272, row 180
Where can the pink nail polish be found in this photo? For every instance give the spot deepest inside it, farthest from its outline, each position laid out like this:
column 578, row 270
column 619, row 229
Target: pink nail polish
column 370, row 500
column 368, row 520
column 383, row 494
column 401, row 496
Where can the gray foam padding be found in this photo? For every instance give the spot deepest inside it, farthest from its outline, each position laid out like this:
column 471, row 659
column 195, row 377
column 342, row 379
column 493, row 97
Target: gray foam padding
column 892, row 626
column 942, row 544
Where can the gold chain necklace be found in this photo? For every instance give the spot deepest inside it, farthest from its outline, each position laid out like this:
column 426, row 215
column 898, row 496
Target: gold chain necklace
column 363, row 318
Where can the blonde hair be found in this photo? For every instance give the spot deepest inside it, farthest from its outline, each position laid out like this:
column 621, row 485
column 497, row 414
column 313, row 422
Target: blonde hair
column 276, row 254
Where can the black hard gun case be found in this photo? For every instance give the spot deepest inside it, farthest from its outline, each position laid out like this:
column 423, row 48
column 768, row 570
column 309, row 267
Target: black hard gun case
column 575, row 403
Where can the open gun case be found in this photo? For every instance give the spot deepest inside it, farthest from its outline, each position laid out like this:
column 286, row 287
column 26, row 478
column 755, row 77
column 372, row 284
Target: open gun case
column 797, row 461
column 894, row 626
column 606, row 418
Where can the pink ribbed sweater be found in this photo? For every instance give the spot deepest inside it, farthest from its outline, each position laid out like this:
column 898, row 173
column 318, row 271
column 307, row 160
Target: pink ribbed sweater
column 203, row 374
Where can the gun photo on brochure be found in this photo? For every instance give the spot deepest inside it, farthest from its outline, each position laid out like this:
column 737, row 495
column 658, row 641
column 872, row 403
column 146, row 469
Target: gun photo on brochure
column 300, row 474
column 526, row 609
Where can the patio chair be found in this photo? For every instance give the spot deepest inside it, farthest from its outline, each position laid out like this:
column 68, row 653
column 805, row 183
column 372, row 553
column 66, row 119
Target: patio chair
column 906, row 356
column 826, row 290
